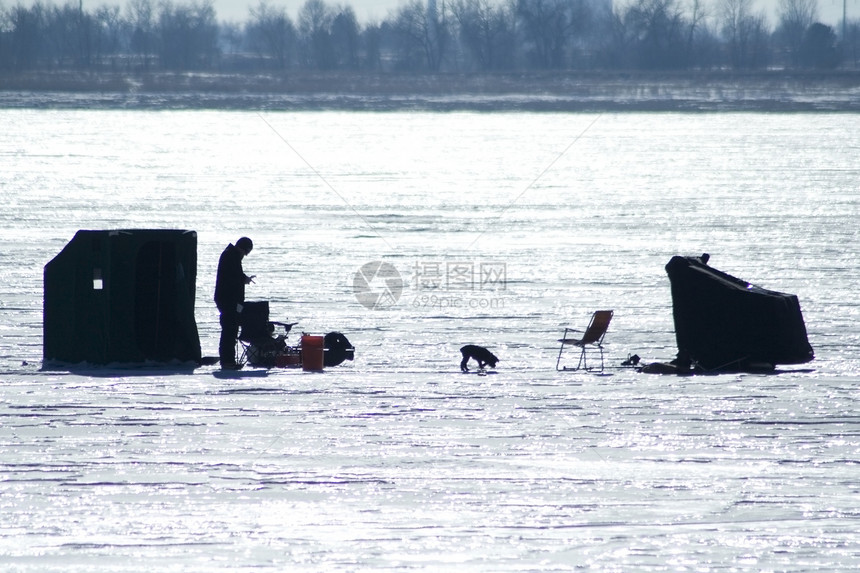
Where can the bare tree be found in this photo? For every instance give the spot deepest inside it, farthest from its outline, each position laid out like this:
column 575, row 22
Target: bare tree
column 422, row 34
column 345, row 38
column 231, row 36
column 487, row 30
column 409, row 28
column 657, row 29
column 548, row 26
column 697, row 19
column 27, row 35
column 141, row 18
column 109, row 32
column 371, row 39
column 616, row 48
column 795, row 16
column 189, row 35
column 271, row 34
column 68, row 35
column 744, row 33
column 851, row 43
column 315, row 18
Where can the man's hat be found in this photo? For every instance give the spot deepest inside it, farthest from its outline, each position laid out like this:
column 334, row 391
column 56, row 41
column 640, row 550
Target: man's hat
column 245, row 244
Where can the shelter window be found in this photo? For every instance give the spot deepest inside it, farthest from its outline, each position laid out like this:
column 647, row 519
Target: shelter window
column 98, row 283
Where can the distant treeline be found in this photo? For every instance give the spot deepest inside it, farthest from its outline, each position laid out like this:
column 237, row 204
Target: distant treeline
column 431, row 36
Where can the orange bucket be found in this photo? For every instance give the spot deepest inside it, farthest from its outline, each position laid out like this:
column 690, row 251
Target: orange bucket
column 313, row 352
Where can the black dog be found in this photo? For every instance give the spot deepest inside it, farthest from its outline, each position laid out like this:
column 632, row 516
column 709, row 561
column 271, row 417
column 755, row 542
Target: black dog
column 481, row 355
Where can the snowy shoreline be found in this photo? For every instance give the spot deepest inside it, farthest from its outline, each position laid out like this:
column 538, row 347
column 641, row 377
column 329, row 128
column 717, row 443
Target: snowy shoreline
column 554, row 92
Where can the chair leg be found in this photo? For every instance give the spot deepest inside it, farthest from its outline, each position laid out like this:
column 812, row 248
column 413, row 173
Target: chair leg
column 600, row 348
column 241, row 354
column 560, row 350
column 583, row 357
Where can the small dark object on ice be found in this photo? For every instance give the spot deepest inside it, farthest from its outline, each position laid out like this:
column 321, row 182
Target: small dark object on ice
column 631, row 360
column 480, row 354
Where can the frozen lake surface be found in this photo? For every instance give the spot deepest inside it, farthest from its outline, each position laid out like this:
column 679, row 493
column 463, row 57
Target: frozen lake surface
column 505, row 228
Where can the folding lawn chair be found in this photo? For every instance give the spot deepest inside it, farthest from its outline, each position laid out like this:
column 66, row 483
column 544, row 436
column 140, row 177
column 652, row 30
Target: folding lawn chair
column 592, row 340
column 259, row 345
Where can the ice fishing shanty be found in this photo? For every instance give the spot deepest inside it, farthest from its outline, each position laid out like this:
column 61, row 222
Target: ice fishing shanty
column 123, row 296
column 725, row 323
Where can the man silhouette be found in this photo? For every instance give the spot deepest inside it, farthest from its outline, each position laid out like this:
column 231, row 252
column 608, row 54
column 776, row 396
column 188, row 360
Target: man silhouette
column 230, row 296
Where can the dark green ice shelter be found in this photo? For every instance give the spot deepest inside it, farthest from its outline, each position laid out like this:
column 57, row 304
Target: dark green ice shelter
column 122, row 297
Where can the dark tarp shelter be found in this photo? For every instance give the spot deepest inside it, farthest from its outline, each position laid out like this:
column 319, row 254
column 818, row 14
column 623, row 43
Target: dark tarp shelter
column 124, row 296
column 724, row 323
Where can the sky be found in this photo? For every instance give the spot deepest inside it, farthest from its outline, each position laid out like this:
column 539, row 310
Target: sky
column 829, row 11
